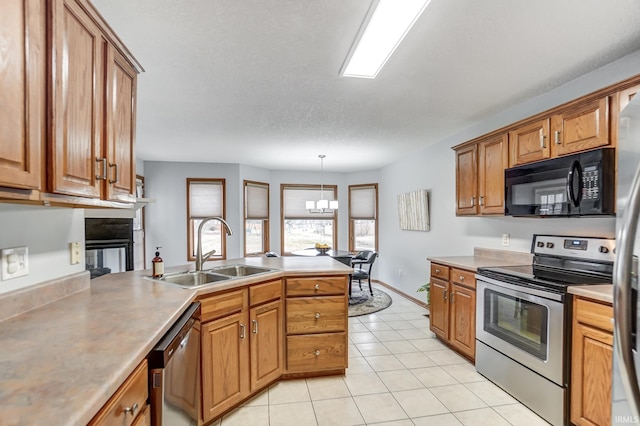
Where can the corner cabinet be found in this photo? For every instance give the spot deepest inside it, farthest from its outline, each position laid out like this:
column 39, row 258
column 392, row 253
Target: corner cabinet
column 242, row 345
column 480, row 176
column 316, row 324
column 452, row 311
column 591, row 362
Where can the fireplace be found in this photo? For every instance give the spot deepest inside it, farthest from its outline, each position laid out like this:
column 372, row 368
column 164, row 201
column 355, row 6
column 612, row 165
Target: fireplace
column 108, row 245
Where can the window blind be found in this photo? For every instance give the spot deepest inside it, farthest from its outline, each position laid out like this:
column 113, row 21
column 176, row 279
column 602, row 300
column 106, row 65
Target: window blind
column 205, row 199
column 256, row 200
column 362, row 202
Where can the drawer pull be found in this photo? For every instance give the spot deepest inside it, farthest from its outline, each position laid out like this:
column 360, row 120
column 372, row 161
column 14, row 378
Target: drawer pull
column 242, row 331
column 133, row 409
column 317, row 287
column 557, row 135
column 317, row 352
column 437, row 271
column 317, row 315
column 255, row 326
column 461, row 278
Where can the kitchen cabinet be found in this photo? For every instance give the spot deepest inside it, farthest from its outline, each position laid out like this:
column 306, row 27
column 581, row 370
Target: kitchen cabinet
column 529, row 143
column 591, row 362
column 580, row 128
column 480, row 176
column 242, row 345
column 316, row 324
column 93, row 87
column 22, row 93
column 128, row 406
column 452, row 311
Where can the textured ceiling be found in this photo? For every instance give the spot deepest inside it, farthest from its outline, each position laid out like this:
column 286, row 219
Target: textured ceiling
column 256, row 81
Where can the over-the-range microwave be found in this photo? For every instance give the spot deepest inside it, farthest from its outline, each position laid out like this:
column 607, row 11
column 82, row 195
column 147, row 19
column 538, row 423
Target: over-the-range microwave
column 575, row 185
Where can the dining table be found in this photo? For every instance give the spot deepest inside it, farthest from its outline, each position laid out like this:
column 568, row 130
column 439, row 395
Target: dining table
column 343, row 256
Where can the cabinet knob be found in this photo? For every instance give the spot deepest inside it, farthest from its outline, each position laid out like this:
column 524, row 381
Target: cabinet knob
column 317, row 286
column 133, row 409
column 437, row 271
column 317, row 315
column 461, row 278
column 317, row 352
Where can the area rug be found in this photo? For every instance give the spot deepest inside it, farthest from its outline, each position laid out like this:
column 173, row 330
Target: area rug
column 362, row 303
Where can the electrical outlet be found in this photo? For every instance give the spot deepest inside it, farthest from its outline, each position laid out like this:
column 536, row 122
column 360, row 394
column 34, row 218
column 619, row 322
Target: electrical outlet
column 74, row 248
column 15, row 262
column 505, row 239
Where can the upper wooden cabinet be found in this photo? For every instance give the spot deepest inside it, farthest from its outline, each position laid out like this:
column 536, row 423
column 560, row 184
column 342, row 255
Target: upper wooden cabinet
column 580, row 128
column 93, row 109
column 529, row 143
column 22, row 92
column 480, row 176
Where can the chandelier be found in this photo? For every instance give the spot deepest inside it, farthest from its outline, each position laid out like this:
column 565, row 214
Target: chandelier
column 322, row 205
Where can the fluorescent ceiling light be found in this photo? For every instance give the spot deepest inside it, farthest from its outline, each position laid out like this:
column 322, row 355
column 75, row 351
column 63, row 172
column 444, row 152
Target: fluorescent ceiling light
column 386, row 24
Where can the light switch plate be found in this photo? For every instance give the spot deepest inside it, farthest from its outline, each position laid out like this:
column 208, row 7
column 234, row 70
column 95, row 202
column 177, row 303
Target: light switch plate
column 505, row 240
column 74, row 248
column 15, row 262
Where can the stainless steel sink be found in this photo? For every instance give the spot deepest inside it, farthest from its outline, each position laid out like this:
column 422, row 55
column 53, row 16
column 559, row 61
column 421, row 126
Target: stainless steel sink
column 239, row 270
column 193, row 279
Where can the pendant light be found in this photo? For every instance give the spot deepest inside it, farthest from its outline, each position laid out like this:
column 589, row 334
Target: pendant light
column 322, row 205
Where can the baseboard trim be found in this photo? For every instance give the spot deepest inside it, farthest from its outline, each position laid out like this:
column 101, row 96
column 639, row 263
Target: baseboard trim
column 402, row 293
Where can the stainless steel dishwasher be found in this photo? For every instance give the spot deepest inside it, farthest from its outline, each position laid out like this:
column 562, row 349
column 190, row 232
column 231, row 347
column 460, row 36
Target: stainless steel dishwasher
column 175, row 372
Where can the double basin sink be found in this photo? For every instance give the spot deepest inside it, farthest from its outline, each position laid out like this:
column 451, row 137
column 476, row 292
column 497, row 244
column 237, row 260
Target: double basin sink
column 193, row 279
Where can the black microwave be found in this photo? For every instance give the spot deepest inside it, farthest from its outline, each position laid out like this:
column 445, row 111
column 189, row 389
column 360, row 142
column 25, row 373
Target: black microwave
column 574, row 185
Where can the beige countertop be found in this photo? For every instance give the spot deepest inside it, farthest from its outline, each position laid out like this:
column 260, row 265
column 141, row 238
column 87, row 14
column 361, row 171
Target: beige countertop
column 602, row 292
column 61, row 362
column 484, row 258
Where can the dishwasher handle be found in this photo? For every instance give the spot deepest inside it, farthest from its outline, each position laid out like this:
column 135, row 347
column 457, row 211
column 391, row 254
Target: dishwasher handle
column 161, row 354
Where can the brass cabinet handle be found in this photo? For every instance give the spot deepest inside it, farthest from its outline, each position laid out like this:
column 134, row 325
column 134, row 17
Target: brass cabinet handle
column 444, row 294
column 102, row 176
column 542, row 139
column 115, row 173
column 242, row 331
column 482, row 200
column 557, row 137
column 133, row 409
column 255, row 326
column 473, row 201
column 317, row 315
column 452, row 297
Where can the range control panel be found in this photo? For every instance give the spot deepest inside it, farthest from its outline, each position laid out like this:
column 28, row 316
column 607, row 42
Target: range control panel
column 590, row 248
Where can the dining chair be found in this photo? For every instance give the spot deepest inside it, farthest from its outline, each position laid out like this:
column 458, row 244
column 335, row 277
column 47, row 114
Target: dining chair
column 362, row 264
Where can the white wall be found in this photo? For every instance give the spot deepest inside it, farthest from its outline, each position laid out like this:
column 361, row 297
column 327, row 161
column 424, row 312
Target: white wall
column 47, row 232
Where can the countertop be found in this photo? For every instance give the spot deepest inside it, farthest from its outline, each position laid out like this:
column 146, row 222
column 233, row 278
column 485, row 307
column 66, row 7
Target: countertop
column 602, row 292
column 61, row 362
column 484, row 258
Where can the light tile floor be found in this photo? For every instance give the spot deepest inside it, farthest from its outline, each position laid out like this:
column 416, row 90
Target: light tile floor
column 399, row 374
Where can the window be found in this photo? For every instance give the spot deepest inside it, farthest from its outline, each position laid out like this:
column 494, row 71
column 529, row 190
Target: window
column 256, row 217
column 301, row 229
column 205, row 198
column 363, row 215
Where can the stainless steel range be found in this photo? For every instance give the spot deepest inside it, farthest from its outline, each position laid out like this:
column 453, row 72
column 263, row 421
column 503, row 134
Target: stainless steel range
column 523, row 322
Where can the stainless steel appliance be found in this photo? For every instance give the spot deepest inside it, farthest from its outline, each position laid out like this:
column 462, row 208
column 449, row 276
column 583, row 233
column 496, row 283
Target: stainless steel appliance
column 175, row 373
column 626, row 361
column 573, row 185
column 523, row 319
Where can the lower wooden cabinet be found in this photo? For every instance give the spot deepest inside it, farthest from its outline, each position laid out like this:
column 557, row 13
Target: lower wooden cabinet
column 242, row 345
column 128, row 406
column 452, row 311
column 591, row 362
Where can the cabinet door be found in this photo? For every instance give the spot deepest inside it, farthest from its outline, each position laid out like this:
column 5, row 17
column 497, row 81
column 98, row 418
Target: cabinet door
column 77, row 93
column 581, row 128
column 493, row 157
column 267, row 358
column 529, row 143
column 120, row 127
column 466, row 180
column 22, row 92
column 439, row 308
column 462, row 331
column 225, row 364
column 591, row 376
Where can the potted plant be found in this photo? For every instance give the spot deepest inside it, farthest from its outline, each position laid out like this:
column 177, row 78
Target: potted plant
column 426, row 287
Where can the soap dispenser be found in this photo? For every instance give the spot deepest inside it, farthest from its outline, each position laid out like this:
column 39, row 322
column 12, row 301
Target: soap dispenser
column 158, row 265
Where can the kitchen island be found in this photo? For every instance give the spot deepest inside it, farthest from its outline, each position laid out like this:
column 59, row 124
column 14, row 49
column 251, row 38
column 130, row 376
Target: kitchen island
column 61, row 362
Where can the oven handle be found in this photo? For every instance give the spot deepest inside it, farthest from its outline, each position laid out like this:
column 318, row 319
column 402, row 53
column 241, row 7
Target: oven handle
column 623, row 276
column 524, row 291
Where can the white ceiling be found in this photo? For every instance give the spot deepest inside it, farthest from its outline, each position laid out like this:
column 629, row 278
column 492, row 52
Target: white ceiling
column 256, row 81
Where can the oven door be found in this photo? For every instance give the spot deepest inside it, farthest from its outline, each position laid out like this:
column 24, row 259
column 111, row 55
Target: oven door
column 526, row 327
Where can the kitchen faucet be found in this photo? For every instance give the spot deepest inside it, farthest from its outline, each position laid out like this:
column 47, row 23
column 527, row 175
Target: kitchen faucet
column 200, row 258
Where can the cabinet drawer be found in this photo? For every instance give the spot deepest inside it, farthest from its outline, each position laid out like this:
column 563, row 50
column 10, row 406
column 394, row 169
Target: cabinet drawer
column 440, row 271
column 266, row 292
column 132, row 394
column 222, row 304
column 599, row 315
column 316, row 314
column 316, row 286
column 463, row 277
column 316, row 352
